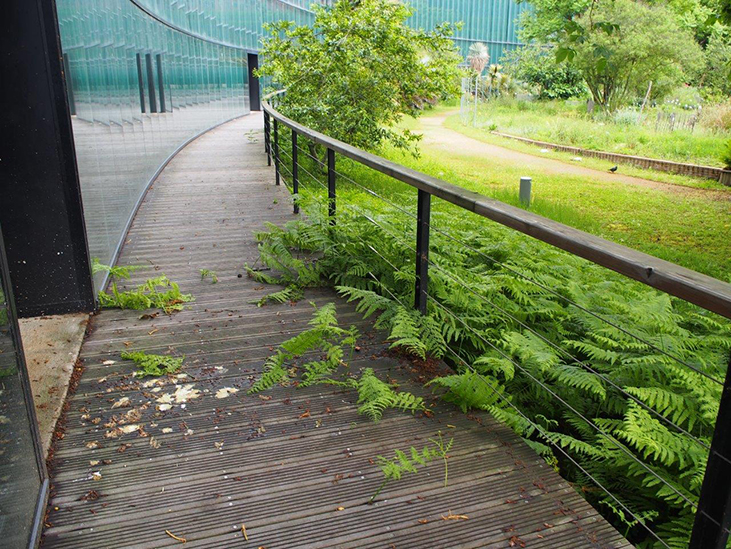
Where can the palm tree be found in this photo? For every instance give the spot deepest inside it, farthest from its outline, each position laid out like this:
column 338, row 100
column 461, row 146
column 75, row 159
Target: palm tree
column 478, row 57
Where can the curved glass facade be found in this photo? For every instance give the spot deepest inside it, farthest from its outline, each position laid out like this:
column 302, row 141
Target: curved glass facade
column 138, row 90
column 145, row 76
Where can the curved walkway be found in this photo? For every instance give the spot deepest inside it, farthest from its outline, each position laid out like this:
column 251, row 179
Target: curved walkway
column 294, row 466
column 438, row 136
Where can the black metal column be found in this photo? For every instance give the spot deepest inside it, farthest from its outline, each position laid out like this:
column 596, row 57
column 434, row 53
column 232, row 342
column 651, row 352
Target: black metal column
column 276, row 151
column 267, row 136
column 713, row 516
column 422, row 250
column 295, row 172
column 151, row 83
column 40, row 197
column 331, row 185
column 141, row 83
column 160, row 82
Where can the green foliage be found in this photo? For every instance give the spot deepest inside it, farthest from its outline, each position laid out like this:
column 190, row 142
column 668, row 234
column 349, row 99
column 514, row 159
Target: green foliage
column 617, row 46
column 359, row 68
column 534, row 65
column 288, row 294
column 154, row 365
column 324, row 336
column 205, row 273
column 116, row 271
column 376, row 396
column 394, row 468
column 158, row 292
column 483, row 309
column 726, row 155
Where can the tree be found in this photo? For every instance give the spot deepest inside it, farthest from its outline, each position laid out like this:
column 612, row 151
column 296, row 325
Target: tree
column 534, row 64
column 478, row 57
column 359, row 69
column 618, row 45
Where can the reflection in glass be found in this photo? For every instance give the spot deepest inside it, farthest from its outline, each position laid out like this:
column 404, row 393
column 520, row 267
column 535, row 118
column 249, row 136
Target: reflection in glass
column 20, row 476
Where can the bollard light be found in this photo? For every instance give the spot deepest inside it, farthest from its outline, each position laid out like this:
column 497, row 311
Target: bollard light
column 525, row 188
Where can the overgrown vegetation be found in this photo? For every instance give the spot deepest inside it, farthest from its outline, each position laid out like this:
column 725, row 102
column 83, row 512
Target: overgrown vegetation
column 158, row 292
column 153, row 365
column 521, row 324
column 567, row 123
column 327, row 341
column 359, row 69
column 394, row 468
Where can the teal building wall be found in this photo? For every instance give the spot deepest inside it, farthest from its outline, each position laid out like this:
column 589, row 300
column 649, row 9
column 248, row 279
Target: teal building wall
column 146, row 76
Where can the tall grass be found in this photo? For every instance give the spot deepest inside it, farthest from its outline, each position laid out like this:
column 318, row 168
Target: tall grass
column 567, row 123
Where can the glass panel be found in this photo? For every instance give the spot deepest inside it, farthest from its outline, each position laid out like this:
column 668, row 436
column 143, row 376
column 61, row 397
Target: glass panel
column 20, row 475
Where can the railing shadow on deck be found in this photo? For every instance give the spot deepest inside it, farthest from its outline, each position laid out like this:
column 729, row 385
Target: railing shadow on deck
column 708, row 510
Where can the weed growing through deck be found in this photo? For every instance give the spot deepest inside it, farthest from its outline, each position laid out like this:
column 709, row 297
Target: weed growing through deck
column 205, row 273
column 394, row 468
column 156, row 293
column 154, row 365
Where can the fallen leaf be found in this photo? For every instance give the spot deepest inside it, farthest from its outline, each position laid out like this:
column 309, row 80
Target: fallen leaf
column 96, row 475
column 108, row 362
column 451, row 516
column 243, row 531
column 219, row 445
column 340, row 509
column 305, row 414
column 167, row 430
column 265, row 397
column 93, row 444
column 121, row 403
column 422, row 521
column 226, row 392
column 154, row 443
column 94, row 462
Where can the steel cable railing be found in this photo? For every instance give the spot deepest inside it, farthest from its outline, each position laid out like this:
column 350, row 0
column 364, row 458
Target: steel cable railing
column 713, row 509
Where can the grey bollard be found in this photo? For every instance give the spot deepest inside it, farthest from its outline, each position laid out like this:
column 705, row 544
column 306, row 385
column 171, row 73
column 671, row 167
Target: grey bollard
column 525, row 185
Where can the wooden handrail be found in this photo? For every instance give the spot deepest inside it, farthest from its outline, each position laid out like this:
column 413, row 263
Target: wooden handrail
column 702, row 290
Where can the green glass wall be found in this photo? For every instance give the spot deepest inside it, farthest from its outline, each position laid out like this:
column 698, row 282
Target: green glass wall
column 138, row 90
column 145, row 76
column 239, row 22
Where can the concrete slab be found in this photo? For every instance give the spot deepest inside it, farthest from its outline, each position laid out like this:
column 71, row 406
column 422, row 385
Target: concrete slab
column 51, row 345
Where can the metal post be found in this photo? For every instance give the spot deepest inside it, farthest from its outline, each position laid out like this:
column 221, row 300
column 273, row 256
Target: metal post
column 276, row 151
column 422, row 250
column 151, row 83
column 713, row 516
column 267, row 136
column 525, row 190
column 331, row 185
column 295, row 173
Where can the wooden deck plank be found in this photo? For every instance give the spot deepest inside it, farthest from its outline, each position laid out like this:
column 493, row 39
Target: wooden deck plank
column 215, row 464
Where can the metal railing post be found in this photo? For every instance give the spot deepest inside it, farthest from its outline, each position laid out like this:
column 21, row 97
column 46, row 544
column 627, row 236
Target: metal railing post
column 267, row 149
column 422, row 250
column 713, row 515
column 276, row 151
column 331, row 185
column 295, row 173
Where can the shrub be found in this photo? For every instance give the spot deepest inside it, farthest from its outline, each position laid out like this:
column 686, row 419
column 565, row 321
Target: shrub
column 726, row 155
column 535, row 65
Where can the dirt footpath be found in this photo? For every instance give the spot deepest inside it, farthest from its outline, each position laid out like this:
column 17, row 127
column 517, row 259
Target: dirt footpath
column 439, row 136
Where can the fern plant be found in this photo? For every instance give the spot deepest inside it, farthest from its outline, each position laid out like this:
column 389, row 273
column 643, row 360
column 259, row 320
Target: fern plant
column 324, row 336
column 206, row 273
column 375, row 396
column 153, row 365
column 523, row 324
column 394, row 468
column 158, row 293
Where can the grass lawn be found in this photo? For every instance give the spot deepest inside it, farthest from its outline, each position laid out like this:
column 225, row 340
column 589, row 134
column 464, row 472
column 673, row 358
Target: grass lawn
column 690, row 228
column 567, row 124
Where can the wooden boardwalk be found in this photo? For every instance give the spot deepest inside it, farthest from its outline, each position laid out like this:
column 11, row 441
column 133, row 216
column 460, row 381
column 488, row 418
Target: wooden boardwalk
column 296, row 469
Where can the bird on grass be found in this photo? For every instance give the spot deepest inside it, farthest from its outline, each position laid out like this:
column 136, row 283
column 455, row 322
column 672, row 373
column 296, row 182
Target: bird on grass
column 613, row 169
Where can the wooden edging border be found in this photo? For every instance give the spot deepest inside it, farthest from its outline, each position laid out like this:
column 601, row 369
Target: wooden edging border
column 693, row 170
